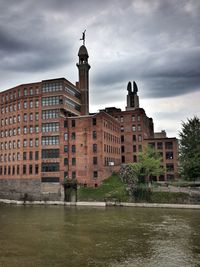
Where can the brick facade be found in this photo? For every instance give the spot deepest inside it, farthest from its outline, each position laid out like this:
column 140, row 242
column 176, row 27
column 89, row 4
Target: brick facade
column 47, row 134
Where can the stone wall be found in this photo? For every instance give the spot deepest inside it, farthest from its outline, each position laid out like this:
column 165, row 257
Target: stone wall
column 29, row 189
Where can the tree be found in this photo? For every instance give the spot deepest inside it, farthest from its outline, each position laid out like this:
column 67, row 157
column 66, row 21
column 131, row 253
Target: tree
column 189, row 149
column 129, row 174
column 150, row 163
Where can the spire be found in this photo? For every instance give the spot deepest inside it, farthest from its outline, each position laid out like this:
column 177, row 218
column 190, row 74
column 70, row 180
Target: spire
column 132, row 97
column 83, row 70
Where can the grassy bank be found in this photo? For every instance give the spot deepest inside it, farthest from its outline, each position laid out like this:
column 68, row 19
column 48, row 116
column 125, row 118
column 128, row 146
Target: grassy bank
column 111, row 189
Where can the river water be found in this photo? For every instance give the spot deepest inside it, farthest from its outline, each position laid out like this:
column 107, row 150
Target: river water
column 115, row 237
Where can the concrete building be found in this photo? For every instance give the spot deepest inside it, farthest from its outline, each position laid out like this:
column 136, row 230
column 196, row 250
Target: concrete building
column 48, row 134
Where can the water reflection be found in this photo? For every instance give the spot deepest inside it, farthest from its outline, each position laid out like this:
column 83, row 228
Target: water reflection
column 63, row 236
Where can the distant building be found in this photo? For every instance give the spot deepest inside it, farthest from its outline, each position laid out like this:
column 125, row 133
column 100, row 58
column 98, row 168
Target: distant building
column 47, row 135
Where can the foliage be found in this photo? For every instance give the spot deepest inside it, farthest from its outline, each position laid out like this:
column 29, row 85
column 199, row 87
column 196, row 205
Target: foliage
column 111, row 189
column 142, row 193
column 129, row 174
column 150, row 163
column 190, row 149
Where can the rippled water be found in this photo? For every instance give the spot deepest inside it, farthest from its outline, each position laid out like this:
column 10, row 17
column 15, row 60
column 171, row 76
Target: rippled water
column 116, row 237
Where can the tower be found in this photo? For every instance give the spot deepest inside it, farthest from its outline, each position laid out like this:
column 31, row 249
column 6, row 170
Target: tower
column 132, row 97
column 83, row 69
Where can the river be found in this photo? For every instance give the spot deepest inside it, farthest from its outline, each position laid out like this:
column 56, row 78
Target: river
column 115, row 237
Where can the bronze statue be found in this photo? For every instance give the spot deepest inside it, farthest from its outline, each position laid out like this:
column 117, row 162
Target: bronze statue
column 83, row 37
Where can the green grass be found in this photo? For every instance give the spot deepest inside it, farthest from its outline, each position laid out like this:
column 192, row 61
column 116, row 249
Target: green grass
column 112, row 189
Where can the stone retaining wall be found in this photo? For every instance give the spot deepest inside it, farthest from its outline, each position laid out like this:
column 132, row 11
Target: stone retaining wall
column 28, row 189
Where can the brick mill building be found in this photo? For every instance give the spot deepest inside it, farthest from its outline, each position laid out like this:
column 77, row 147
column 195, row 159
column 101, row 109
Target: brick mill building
column 48, row 134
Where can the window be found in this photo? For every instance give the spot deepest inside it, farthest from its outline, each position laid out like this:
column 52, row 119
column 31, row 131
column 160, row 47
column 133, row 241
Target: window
column 18, row 156
column 73, row 161
column 25, row 92
column 121, row 119
column 51, row 87
column 36, row 128
column 36, row 142
column 95, row 160
column 73, row 136
column 50, row 180
column 25, row 130
column 66, row 149
column 17, row 169
column 50, row 101
column 65, row 161
column 138, row 117
column 73, row 148
column 30, row 169
column 24, row 156
column 36, row 155
column 50, row 167
column 134, row 148
column 50, row 127
column 152, row 145
column 133, row 117
column 140, row 148
column 31, row 116
column 31, row 142
column 30, row 155
column 122, row 149
column 65, row 136
column 168, row 145
column 133, row 128
column 50, row 114
column 159, row 145
column 36, row 103
column 50, row 140
column 25, row 104
column 50, row 153
column 18, row 143
column 123, row 159
column 25, row 117
column 25, row 143
column 73, row 123
column 36, row 169
column 18, row 130
column 31, row 103
column 73, row 175
column 18, row 118
column 134, row 158
column 24, row 169
column 139, row 127
column 169, row 155
column 37, row 115
column 94, row 148
column 122, row 128
column 94, row 135
column 122, row 138
column 94, row 121
column 139, row 138
column 31, row 129
column 95, row 174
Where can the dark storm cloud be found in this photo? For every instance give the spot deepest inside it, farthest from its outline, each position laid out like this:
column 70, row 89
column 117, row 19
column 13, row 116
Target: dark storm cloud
column 154, row 42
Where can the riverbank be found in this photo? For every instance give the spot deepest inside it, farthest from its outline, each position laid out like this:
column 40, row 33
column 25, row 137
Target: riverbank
column 101, row 204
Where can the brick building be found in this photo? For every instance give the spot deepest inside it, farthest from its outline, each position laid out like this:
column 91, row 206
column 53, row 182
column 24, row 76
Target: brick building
column 48, row 134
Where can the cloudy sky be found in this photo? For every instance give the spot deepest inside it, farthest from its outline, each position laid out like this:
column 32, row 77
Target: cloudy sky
column 154, row 42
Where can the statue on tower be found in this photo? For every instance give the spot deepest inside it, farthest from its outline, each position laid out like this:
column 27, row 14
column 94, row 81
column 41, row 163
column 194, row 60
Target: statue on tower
column 83, row 37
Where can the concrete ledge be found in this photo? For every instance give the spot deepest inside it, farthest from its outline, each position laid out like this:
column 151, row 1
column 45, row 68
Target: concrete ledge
column 102, row 204
column 95, row 204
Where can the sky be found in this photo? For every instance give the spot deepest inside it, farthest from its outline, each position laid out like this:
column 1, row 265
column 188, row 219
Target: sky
column 153, row 42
